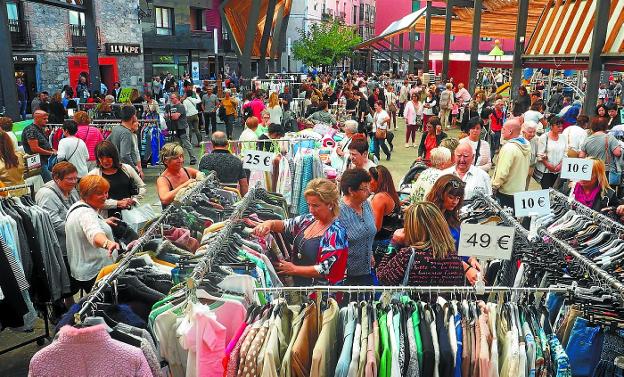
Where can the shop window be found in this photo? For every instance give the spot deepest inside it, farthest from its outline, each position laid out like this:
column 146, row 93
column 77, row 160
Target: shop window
column 13, row 11
column 198, row 19
column 486, row 39
column 452, row 37
column 164, row 21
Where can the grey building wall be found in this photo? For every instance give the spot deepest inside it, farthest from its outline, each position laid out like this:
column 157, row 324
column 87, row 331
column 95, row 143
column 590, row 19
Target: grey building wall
column 117, row 21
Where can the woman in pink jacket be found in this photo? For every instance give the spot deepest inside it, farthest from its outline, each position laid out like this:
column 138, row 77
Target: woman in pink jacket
column 414, row 119
column 89, row 134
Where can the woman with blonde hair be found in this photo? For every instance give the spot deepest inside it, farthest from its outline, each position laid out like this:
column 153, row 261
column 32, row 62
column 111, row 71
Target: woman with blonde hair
column 428, row 256
column 176, row 176
column 595, row 193
column 11, row 165
column 274, row 109
column 320, row 247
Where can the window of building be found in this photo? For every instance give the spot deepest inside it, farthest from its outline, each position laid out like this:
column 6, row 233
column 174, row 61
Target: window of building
column 13, row 11
column 76, row 18
column 417, row 36
column 198, row 19
column 354, row 15
column 452, row 37
column 486, row 39
column 164, row 21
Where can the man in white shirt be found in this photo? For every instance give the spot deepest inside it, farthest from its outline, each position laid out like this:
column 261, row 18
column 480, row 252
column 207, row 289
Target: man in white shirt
column 575, row 137
column 475, row 178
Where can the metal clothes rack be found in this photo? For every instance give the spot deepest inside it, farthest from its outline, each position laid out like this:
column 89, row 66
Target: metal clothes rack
column 586, row 211
column 432, row 289
column 590, row 265
column 509, row 219
column 95, row 295
column 216, row 245
column 46, row 335
column 29, row 186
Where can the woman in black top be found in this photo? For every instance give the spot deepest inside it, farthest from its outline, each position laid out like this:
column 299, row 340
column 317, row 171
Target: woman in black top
column 57, row 110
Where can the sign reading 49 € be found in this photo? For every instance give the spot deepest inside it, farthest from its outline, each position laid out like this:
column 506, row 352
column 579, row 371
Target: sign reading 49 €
column 486, row 241
column 258, row 160
column 576, row 169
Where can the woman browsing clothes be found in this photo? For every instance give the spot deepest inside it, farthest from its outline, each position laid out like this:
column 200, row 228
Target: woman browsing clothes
column 320, row 241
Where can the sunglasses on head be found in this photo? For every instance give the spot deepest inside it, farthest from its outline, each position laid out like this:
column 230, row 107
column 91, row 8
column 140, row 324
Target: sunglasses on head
column 456, row 184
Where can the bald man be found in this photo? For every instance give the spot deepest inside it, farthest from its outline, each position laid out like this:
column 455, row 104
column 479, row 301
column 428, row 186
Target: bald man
column 464, row 169
column 513, row 163
column 36, row 141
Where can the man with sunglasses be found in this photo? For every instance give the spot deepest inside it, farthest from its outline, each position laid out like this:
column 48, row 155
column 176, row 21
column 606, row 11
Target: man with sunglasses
column 474, row 178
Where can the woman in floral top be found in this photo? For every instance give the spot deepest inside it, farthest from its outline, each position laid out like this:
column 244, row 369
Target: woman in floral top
column 320, row 242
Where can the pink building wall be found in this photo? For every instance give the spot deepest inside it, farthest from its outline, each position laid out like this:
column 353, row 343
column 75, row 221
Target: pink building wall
column 389, row 11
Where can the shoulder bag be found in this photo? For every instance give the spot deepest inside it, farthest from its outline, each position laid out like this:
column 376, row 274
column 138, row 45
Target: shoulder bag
column 538, row 175
column 380, row 133
column 571, row 152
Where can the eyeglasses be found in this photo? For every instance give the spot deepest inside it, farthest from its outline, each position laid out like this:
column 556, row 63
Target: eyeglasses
column 457, row 184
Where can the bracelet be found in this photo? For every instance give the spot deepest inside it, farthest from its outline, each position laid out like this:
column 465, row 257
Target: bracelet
column 105, row 246
column 468, row 269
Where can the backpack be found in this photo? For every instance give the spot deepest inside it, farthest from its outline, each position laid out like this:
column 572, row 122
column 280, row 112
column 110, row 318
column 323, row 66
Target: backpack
column 247, row 112
column 445, row 100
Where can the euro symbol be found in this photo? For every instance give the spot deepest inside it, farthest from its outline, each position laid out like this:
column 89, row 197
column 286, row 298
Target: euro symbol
column 541, row 201
column 267, row 161
column 503, row 242
column 585, row 168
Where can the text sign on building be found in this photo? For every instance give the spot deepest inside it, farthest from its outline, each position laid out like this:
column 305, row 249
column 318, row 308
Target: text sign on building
column 25, row 59
column 123, row 49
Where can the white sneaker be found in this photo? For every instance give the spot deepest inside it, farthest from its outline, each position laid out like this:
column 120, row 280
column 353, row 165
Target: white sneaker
column 407, row 145
column 413, row 145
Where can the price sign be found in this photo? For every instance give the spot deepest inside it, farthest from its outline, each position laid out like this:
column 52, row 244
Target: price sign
column 532, row 203
column 33, row 161
column 258, row 160
column 486, row 241
column 576, row 169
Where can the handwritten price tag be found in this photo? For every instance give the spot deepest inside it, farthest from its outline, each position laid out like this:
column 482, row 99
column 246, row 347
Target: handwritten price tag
column 33, row 161
column 576, row 169
column 258, row 160
column 486, row 241
column 532, row 203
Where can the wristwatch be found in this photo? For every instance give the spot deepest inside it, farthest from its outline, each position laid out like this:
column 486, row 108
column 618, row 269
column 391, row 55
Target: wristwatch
column 105, row 246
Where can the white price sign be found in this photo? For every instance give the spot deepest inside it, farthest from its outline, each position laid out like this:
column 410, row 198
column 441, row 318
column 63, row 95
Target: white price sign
column 486, row 241
column 577, row 169
column 532, row 203
column 258, row 160
column 33, row 161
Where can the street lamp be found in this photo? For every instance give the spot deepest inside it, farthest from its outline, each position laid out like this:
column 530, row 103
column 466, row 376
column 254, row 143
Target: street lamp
column 144, row 13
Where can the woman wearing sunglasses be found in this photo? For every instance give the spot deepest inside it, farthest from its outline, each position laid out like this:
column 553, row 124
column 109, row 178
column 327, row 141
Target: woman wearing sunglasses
column 448, row 195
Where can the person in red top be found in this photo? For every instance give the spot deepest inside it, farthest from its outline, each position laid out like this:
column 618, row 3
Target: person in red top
column 497, row 118
column 256, row 105
column 430, row 139
column 89, row 134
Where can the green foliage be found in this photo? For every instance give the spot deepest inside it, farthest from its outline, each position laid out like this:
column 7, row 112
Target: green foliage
column 326, row 43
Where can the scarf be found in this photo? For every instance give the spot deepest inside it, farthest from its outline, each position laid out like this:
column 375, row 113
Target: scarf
column 586, row 199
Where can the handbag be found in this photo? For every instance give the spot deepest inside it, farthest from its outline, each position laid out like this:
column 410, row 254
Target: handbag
column 380, row 133
column 137, row 217
column 392, row 107
column 615, row 176
column 221, row 112
column 571, row 152
column 537, row 174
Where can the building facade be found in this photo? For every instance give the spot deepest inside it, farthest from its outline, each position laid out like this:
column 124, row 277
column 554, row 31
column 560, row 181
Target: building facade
column 304, row 13
column 49, row 44
column 179, row 38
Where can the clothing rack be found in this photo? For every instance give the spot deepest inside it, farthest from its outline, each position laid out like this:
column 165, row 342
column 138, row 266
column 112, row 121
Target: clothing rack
column 29, row 186
column 222, row 238
column 432, row 289
column 46, row 335
column 95, row 295
column 591, row 266
column 586, row 211
column 509, row 219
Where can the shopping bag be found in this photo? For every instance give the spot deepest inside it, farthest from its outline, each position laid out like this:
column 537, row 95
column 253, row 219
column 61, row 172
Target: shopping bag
column 136, row 217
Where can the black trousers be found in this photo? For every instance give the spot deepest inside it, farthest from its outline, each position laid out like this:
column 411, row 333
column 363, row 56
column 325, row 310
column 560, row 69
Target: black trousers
column 210, row 122
column 548, row 180
column 505, row 200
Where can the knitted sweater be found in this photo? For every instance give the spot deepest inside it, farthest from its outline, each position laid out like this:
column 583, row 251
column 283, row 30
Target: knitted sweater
column 88, row 352
column 425, row 270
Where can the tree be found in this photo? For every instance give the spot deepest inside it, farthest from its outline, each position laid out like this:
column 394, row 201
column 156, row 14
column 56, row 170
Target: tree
column 326, row 43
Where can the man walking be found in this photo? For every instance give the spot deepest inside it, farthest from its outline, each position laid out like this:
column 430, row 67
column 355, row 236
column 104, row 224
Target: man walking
column 124, row 138
column 210, row 103
column 176, row 113
column 513, row 163
column 446, row 105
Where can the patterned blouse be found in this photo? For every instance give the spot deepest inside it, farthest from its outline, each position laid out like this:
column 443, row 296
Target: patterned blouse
column 333, row 251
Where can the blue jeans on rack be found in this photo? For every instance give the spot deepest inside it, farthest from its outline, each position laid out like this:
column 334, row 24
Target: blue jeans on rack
column 584, row 347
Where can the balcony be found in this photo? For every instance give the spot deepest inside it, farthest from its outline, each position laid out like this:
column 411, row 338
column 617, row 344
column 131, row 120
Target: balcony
column 20, row 34
column 77, row 37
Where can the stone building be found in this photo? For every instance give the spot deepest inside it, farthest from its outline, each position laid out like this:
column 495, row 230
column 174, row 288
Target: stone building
column 49, row 44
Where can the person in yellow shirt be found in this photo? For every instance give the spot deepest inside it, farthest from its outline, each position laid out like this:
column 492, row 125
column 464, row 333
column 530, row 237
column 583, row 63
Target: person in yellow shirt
column 11, row 165
column 230, row 104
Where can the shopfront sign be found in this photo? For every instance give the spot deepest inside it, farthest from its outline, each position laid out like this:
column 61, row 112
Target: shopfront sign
column 486, row 241
column 577, row 169
column 123, row 49
column 532, row 203
column 167, row 59
column 25, row 59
